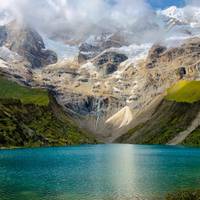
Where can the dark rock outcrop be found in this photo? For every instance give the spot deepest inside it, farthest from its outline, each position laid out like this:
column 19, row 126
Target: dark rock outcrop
column 89, row 51
column 182, row 72
column 89, row 105
column 154, row 54
column 109, row 61
column 187, row 54
column 27, row 43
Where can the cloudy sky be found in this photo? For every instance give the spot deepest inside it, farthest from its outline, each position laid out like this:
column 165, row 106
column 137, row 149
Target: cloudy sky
column 82, row 16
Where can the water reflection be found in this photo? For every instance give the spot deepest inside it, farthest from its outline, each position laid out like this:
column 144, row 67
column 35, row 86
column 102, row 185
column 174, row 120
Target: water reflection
column 110, row 172
column 122, row 168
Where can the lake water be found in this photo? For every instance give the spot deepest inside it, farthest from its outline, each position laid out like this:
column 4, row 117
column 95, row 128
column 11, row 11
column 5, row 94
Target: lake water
column 98, row 172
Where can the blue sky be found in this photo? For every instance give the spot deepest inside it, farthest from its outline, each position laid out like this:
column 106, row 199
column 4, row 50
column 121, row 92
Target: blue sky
column 165, row 3
column 156, row 4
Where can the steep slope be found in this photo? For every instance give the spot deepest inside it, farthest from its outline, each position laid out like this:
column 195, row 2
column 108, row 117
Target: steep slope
column 31, row 117
column 184, row 91
column 27, row 43
column 180, row 23
column 183, row 15
column 94, row 96
column 169, row 119
column 193, row 139
column 174, row 121
column 107, row 72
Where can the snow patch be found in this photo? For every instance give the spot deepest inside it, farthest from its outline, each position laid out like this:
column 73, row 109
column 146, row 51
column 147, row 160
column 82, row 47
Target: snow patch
column 8, row 55
column 188, row 14
column 122, row 118
column 134, row 52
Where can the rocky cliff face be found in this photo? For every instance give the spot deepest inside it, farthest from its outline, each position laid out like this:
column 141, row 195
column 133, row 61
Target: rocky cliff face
column 108, row 62
column 97, row 44
column 27, row 43
column 109, row 85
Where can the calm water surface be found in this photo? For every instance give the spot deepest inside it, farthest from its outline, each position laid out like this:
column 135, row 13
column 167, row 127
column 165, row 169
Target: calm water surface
column 99, row 172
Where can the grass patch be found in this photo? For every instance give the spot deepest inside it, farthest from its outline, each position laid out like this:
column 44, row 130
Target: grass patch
column 30, row 125
column 193, row 139
column 125, row 137
column 12, row 90
column 170, row 118
column 31, row 117
column 184, row 91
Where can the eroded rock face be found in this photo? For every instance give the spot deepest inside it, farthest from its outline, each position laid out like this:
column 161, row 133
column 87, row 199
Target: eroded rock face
column 154, row 54
column 108, row 62
column 188, row 53
column 27, row 42
column 91, row 92
column 88, row 105
column 87, row 51
column 104, row 42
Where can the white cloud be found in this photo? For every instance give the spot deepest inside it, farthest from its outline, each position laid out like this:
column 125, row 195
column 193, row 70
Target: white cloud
column 80, row 16
column 192, row 2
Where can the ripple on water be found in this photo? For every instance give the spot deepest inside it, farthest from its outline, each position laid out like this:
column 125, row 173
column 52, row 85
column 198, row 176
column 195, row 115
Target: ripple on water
column 97, row 172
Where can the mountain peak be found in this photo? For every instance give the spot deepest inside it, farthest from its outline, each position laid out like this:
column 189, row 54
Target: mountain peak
column 173, row 12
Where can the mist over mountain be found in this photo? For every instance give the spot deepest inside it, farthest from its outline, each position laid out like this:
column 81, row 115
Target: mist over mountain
column 108, row 63
column 82, row 18
column 79, row 17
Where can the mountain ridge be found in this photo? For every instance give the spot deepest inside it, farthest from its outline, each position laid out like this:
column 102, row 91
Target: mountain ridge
column 110, row 73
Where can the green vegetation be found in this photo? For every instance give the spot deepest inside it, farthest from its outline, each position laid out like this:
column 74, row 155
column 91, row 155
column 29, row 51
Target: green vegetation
column 32, row 125
column 12, row 90
column 169, row 119
column 184, row 195
column 193, row 139
column 126, row 137
column 184, row 91
column 30, row 117
column 174, row 114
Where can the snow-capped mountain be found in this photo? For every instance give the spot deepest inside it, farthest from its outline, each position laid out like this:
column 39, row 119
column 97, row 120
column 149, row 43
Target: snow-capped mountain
column 173, row 12
column 105, row 73
column 187, row 15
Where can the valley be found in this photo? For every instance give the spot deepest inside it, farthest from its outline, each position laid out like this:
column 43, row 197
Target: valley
column 109, row 84
column 99, row 100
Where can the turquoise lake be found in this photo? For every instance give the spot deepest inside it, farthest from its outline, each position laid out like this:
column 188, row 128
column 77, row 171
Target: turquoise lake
column 97, row 172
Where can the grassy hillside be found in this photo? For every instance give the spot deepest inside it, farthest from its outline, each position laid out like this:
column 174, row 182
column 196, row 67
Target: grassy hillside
column 174, row 114
column 12, row 90
column 169, row 119
column 29, row 117
column 193, row 139
column 184, row 91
